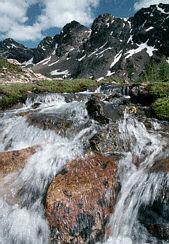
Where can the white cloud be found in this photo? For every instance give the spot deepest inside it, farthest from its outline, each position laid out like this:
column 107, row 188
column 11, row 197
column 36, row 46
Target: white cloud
column 13, row 17
column 55, row 13
column 146, row 3
column 61, row 12
column 23, row 32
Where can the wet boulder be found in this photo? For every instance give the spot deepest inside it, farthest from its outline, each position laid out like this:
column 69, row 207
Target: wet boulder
column 12, row 161
column 104, row 109
column 161, row 166
column 107, row 141
column 140, row 94
column 95, row 110
column 155, row 216
column 65, row 121
column 80, row 97
column 49, row 121
column 81, row 199
column 115, row 89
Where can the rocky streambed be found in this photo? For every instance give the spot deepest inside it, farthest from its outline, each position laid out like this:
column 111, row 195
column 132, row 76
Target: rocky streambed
column 83, row 168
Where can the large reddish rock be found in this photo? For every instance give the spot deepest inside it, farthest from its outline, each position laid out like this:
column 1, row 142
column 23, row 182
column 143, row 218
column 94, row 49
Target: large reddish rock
column 11, row 161
column 81, row 200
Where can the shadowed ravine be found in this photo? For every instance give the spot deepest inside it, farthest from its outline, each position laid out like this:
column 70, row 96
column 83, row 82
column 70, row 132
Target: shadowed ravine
column 22, row 192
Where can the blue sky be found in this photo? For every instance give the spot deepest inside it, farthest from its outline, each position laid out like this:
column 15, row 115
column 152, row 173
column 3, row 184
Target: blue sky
column 117, row 8
column 28, row 21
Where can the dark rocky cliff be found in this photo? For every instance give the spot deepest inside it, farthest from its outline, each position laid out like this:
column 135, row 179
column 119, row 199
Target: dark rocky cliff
column 113, row 46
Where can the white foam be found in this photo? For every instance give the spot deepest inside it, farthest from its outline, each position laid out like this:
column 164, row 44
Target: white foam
column 137, row 185
column 22, row 218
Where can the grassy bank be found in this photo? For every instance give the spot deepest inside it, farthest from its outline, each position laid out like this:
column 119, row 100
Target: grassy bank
column 156, row 77
column 160, row 93
column 12, row 94
column 159, row 89
column 161, row 108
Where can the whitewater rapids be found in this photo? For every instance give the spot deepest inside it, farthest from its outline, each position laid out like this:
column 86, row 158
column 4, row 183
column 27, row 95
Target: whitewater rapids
column 22, row 219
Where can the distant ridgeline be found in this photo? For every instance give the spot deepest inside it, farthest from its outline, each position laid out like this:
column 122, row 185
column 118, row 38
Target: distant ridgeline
column 113, row 46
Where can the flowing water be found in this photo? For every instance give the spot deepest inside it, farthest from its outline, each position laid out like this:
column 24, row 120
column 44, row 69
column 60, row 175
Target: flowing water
column 22, row 218
column 138, row 186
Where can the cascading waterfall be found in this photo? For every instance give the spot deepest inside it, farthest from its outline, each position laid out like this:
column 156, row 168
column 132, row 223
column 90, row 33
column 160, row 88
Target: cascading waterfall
column 45, row 100
column 22, row 219
column 138, row 186
column 21, row 194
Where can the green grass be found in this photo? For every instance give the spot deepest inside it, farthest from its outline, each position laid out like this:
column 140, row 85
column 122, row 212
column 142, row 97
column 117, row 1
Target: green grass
column 159, row 89
column 115, row 79
column 69, row 86
column 13, row 68
column 160, row 93
column 156, row 72
column 161, row 108
column 15, row 93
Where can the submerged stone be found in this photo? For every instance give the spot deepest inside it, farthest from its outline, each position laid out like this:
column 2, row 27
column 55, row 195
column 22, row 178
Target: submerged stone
column 12, row 161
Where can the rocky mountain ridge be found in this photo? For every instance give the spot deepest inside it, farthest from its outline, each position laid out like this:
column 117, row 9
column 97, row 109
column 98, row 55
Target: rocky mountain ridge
column 11, row 71
column 113, row 46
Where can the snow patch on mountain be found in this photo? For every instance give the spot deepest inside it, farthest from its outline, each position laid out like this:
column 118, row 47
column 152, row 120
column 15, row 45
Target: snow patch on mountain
column 29, row 62
column 80, row 59
column 110, row 73
column 51, row 64
column 100, row 53
column 161, row 10
column 45, row 61
column 96, row 51
column 150, row 28
column 116, row 58
column 140, row 48
column 101, row 78
column 130, row 39
column 58, row 73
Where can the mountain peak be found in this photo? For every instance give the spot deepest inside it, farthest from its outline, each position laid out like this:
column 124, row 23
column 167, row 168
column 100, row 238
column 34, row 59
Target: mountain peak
column 11, row 43
column 72, row 36
column 73, row 26
column 113, row 46
column 163, row 8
